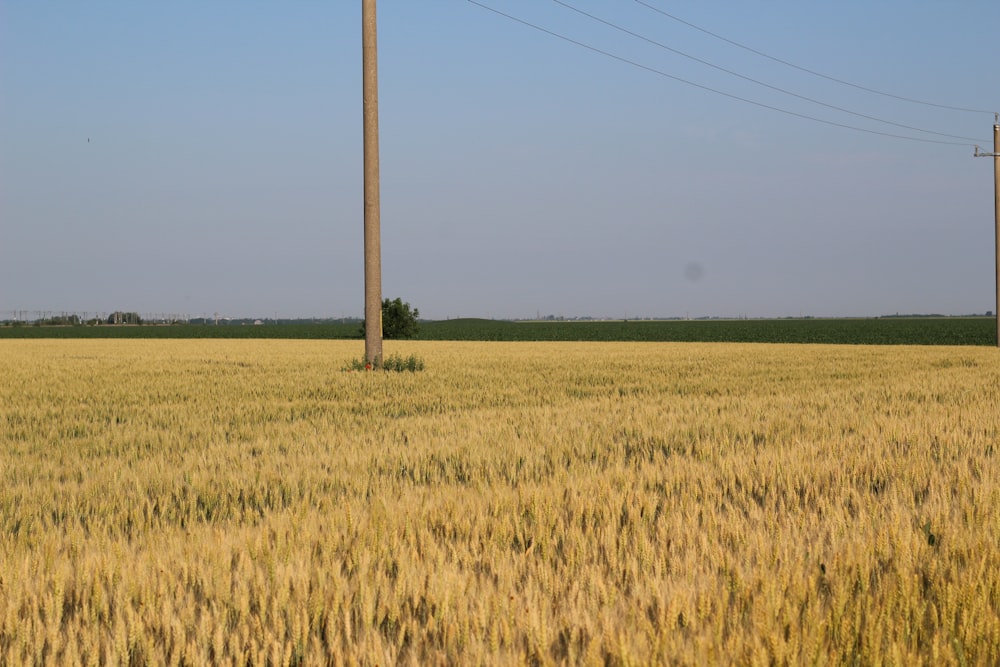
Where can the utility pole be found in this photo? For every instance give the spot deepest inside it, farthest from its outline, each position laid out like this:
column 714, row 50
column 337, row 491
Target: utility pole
column 373, row 242
column 996, row 209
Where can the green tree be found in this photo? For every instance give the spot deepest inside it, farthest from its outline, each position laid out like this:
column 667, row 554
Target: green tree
column 119, row 317
column 399, row 320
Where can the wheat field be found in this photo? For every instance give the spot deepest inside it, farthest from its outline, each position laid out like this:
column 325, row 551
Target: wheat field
column 252, row 503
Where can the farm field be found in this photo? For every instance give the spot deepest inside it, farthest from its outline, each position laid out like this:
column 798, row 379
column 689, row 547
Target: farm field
column 851, row 331
column 250, row 502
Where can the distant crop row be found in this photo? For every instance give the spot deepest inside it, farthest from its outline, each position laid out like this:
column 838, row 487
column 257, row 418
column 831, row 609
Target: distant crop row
column 882, row 331
column 875, row 331
column 187, row 331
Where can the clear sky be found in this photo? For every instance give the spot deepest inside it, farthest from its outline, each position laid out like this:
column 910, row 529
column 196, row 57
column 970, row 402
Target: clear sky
column 202, row 157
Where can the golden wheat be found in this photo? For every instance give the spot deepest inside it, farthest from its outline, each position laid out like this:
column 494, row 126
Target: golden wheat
column 238, row 502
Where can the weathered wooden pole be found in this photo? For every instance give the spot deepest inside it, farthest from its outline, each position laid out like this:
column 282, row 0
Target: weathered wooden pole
column 996, row 214
column 373, row 242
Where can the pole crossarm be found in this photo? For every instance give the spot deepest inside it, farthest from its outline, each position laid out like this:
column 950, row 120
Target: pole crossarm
column 996, row 129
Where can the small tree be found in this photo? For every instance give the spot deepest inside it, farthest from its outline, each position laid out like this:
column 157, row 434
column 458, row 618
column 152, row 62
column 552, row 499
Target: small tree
column 119, row 317
column 398, row 319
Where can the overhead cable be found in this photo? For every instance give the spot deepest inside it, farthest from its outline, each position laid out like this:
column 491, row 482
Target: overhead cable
column 806, row 69
column 756, row 81
column 708, row 88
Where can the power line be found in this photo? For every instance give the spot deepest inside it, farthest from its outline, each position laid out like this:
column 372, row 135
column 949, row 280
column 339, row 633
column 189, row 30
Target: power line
column 708, row 88
column 756, row 81
column 805, row 69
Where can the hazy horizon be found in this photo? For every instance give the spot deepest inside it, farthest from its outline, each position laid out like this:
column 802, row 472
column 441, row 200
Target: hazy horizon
column 85, row 316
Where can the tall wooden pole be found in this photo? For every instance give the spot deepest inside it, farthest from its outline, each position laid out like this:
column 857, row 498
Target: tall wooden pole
column 373, row 242
column 996, row 213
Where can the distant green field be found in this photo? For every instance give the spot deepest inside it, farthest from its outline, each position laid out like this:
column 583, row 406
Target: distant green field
column 881, row 331
column 885, row 331
column 290, row 331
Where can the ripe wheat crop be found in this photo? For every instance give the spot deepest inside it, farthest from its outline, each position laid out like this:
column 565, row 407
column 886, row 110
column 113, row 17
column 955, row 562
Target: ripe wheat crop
column 250, row 502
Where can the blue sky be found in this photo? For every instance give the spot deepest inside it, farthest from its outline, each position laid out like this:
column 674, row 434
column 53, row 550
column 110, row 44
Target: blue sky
column 205, row 157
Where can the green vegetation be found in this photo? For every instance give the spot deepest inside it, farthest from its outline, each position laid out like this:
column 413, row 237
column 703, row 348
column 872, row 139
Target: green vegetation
column 394, row 362
column 305, row 331
column 874, row 331
column 398, row 320
column 880, row 331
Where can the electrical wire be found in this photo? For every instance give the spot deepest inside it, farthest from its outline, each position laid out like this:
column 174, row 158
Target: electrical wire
column 755, row 81
column 673, row 77
column 805, row 69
